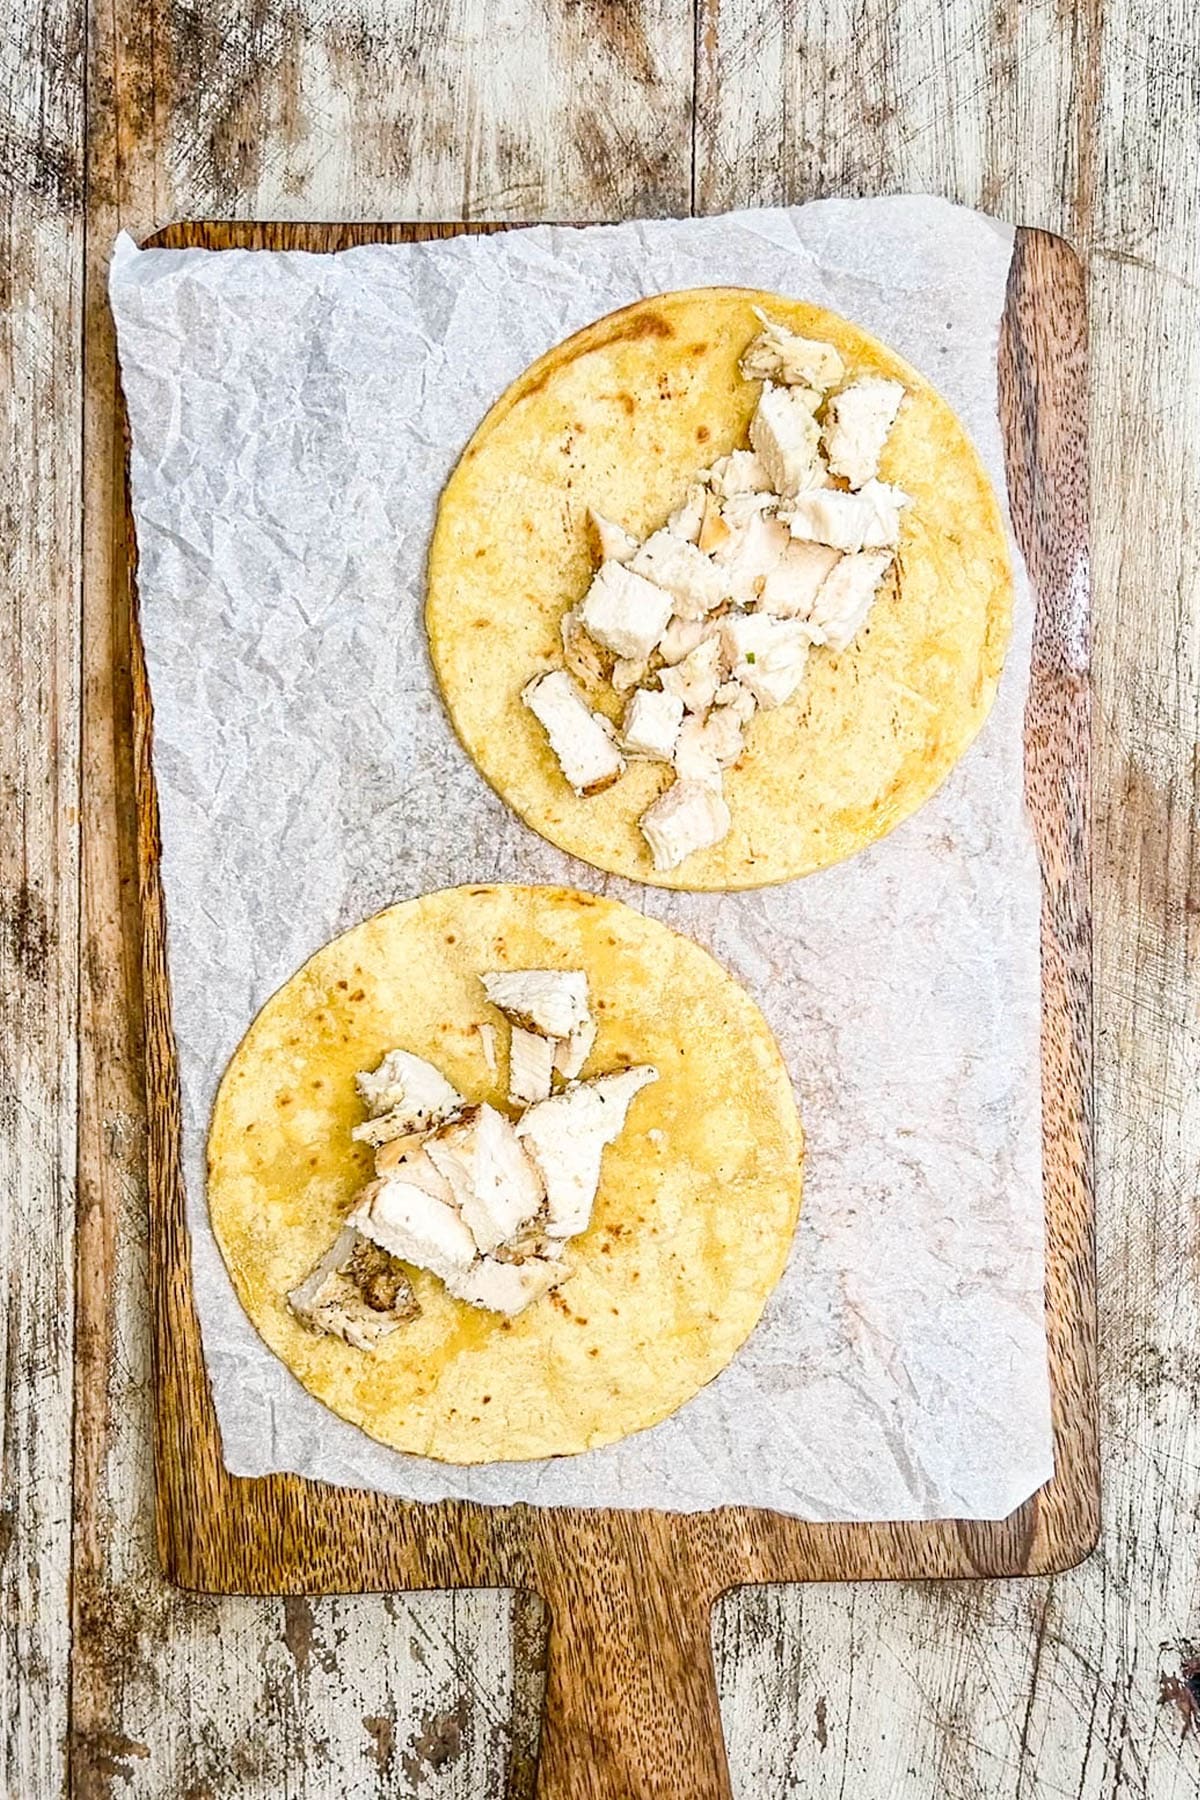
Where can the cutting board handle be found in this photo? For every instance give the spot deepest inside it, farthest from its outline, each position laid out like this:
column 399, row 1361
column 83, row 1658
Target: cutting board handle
column 631, row 1709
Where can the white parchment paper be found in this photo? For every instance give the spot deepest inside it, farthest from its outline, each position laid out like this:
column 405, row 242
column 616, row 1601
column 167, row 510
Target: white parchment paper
column 294, row 418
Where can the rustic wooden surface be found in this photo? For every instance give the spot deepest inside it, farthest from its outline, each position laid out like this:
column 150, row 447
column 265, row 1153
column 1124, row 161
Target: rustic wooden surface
column 1082, row 118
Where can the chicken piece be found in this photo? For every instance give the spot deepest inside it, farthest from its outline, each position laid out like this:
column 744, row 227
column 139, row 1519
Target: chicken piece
column 409, row 1222
column 388, row 1128
column 715, row 530
column 393, row 1151
column 404, row 1094
column 680, row 639
column 651, row 724
column 787, row 437
column 628, row 672
column 733, row 697
column 552, row 1001
column 767, row 655
column 625, row 610
column 509, row 1287
column 565, row 1137
column 857, row 422
column 571, row 1053
column 578, row 737
column 581, row 653
column 754, row 548
column 495, row 1187
column 689, row 577
column 357, row 1292
column 610, row 541
column 778, row 354
column 739, row 509
column 695, row 680
column 688, row 516
column 487, row 1043
column 868, row 520
column 741, row 472
column 695, row 756
column 725, row 732
column 847, row 595
column 791, row 585
column 530, row 1065
column 688, row 817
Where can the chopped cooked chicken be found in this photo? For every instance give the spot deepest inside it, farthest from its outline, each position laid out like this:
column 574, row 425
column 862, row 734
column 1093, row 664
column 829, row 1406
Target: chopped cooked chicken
column 680, row 638
column 722, row 736
column 778, row 354
column 686, row 520
column 739, row 509
column 487, row 1040
column 357, row 1292
column 565, row 1137
column 695, row 756
column 733, row 697
column 846, row 597
column 715, row 530
column 868, row 520
column 578, row 737
column 581, row 653
column 405, row 1093
column 509, row 1287
column 751, row 553
column 651, row 724
column 611, row 541
column 695, row 680
column 413, row 1224
column 530, row 1065
column 570, row 1053
column 552, row 1001
column 791, row 585
column 768, row 655
column 627, row 672
column 624, row 610
column 688, row 576
column 393, row 1151
column 787, row 437
column 741, row 472
column 388, row 1128
column 688, row 817
column 857, row 422
column 494, row 1185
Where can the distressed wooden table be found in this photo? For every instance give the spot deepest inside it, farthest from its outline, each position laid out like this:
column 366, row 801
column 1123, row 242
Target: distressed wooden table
column 1082, row 118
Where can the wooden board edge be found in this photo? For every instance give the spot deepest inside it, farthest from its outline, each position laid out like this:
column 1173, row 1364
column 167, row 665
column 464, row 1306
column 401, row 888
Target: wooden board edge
column 255, row 1529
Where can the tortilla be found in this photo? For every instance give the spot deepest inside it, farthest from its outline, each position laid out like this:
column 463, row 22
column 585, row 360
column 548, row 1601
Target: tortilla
column 693, row 1221
column 621, row 417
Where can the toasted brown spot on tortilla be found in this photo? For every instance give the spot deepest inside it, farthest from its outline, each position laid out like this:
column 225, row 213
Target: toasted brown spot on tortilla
column 702, row 436
column 639, row 323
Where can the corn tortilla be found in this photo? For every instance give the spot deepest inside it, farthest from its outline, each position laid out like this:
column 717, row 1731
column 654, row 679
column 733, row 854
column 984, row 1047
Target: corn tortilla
column 621, row 417
column 693, row 1221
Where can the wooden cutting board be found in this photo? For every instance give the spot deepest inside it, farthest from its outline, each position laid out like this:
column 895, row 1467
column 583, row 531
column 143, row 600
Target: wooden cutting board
column 631, row 1706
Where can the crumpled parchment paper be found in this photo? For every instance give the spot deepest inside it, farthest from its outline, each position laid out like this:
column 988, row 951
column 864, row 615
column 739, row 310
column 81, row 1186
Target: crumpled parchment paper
column 294, row 418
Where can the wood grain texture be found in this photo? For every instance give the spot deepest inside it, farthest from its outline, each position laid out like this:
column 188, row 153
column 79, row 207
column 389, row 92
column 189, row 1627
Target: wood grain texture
column 41, row 173
column 1076, row 118
column 629, row 1594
